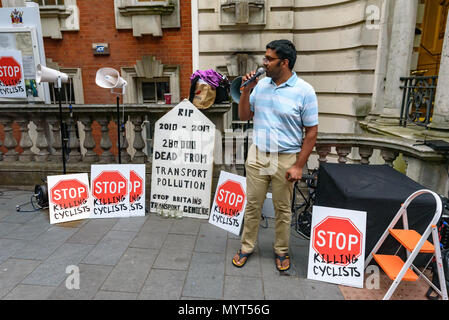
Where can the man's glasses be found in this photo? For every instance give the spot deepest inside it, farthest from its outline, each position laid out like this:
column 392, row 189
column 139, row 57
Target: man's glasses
column 269, row 59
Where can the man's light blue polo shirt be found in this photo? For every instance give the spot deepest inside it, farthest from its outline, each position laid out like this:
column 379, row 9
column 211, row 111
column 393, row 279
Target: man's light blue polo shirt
column 280, row 113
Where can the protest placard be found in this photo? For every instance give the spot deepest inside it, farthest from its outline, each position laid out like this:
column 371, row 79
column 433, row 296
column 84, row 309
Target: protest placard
column 337, row 246
column 229, row 203
column 69, row 197
column 181, row 175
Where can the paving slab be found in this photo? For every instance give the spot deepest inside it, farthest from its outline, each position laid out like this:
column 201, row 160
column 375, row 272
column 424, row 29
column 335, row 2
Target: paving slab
column 44, row 245
column 163, row 285
column 110, row 249
column 29, row 292
column 243, row 288
column 93, row 231
column 52, row 271
column 131, row 271
column 91, row 277
column 205, row 278
column 13, row 271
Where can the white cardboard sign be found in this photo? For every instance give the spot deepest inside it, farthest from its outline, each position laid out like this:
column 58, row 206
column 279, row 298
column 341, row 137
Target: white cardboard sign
column 181, row 176
column 229, row 203
column 136, row 190
column 337, row 246
column 69, row 197
column 110, row 191
column 12, row 81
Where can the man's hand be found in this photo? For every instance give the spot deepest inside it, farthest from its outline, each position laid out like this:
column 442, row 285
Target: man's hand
column 294, row 174
column 250, row 85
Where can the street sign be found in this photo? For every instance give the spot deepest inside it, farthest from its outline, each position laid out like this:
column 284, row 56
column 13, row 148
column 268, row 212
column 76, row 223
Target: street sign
column 229, row 202
column 337, row 246
column 12, row 83
column 69, row 197
column 110, row 190
column 136, row 190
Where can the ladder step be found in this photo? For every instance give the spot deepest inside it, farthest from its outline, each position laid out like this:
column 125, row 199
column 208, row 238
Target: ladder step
column 392, row 265
column 410, row 238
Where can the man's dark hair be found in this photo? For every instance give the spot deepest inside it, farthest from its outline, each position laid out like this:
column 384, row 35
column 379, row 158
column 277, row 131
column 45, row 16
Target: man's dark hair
column 285, row 49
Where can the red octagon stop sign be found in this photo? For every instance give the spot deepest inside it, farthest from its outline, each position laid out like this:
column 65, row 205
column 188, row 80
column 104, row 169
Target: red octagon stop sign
column 10, row 73
column 110, row 187
column 337, row 240
column 230, row 198
column 69, row 193
column 136, row 184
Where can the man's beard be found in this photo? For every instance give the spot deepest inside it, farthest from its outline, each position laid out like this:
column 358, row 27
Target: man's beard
column 274, row 75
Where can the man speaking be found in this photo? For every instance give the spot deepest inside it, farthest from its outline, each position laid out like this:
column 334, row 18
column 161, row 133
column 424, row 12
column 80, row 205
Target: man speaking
column 280, row 105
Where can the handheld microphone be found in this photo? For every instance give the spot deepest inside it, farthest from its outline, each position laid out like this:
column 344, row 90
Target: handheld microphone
column 259, row 72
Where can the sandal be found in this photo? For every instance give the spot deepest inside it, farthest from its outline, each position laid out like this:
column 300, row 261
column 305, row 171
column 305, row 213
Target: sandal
column 241, row 256
column 281, row 259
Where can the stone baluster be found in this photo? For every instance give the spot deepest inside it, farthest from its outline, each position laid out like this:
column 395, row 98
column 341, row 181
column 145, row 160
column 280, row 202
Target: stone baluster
column 41, row 140
column 89, row 143
column 10, row 143
column 389, row 156
column 56, row 156
column 125, row 156
column 25, row 141
column 343, row 151
column 323, row 151
column 105, row 143
column 365, row 153
column 228, row 150
column 139, row 143
column 74, row 142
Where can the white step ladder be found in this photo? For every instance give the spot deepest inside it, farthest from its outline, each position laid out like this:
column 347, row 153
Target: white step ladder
column 414, row 243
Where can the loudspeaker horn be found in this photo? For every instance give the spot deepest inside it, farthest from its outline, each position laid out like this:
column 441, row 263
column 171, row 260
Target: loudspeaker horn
column 110, row 79
column 235, row 89
column 45, row 74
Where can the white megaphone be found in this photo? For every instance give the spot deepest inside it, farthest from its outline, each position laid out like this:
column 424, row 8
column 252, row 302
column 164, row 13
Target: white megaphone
column 110, row 79
column 45, row 74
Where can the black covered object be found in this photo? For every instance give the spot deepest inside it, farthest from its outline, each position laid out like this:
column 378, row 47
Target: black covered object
column 379, row 190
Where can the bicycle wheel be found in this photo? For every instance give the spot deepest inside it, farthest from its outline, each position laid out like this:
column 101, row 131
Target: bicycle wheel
column 304, row 222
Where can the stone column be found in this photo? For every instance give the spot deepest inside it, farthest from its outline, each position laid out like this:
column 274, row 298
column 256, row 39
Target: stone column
column 441, row 110
column 400, row 54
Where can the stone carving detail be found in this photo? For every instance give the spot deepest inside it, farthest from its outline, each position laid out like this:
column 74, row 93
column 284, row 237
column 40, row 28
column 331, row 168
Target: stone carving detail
column 242, row 12
column 147, row 17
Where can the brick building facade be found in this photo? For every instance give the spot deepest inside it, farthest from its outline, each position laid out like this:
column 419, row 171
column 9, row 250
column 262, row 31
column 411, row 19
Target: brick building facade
column 99, row 22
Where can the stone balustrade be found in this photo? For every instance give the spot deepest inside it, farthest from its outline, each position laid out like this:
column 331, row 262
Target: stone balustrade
column 40, row 152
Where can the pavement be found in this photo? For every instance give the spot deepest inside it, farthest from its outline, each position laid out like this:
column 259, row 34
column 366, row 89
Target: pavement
column 140, row 258
column 144, row 258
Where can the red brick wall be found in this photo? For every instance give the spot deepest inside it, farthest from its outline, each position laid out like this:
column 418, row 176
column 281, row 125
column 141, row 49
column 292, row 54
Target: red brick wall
column 97, row 25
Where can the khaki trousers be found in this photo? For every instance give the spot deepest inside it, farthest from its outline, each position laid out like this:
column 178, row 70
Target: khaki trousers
column 261, row 169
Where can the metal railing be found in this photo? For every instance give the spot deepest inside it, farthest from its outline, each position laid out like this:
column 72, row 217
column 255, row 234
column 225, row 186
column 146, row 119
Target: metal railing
column 417, row 100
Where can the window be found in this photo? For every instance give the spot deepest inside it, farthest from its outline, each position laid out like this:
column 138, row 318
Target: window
column 49, row 2
column 67, row 93
column 153, row 90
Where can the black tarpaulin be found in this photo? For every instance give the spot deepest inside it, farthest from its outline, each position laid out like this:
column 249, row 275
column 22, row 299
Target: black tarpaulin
column 377, row 189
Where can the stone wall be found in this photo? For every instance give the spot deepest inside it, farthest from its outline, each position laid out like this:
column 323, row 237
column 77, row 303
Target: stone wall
column 336, row 42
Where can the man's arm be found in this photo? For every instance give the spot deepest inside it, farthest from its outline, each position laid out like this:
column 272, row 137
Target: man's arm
column 295, row 172
column 245, row 112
